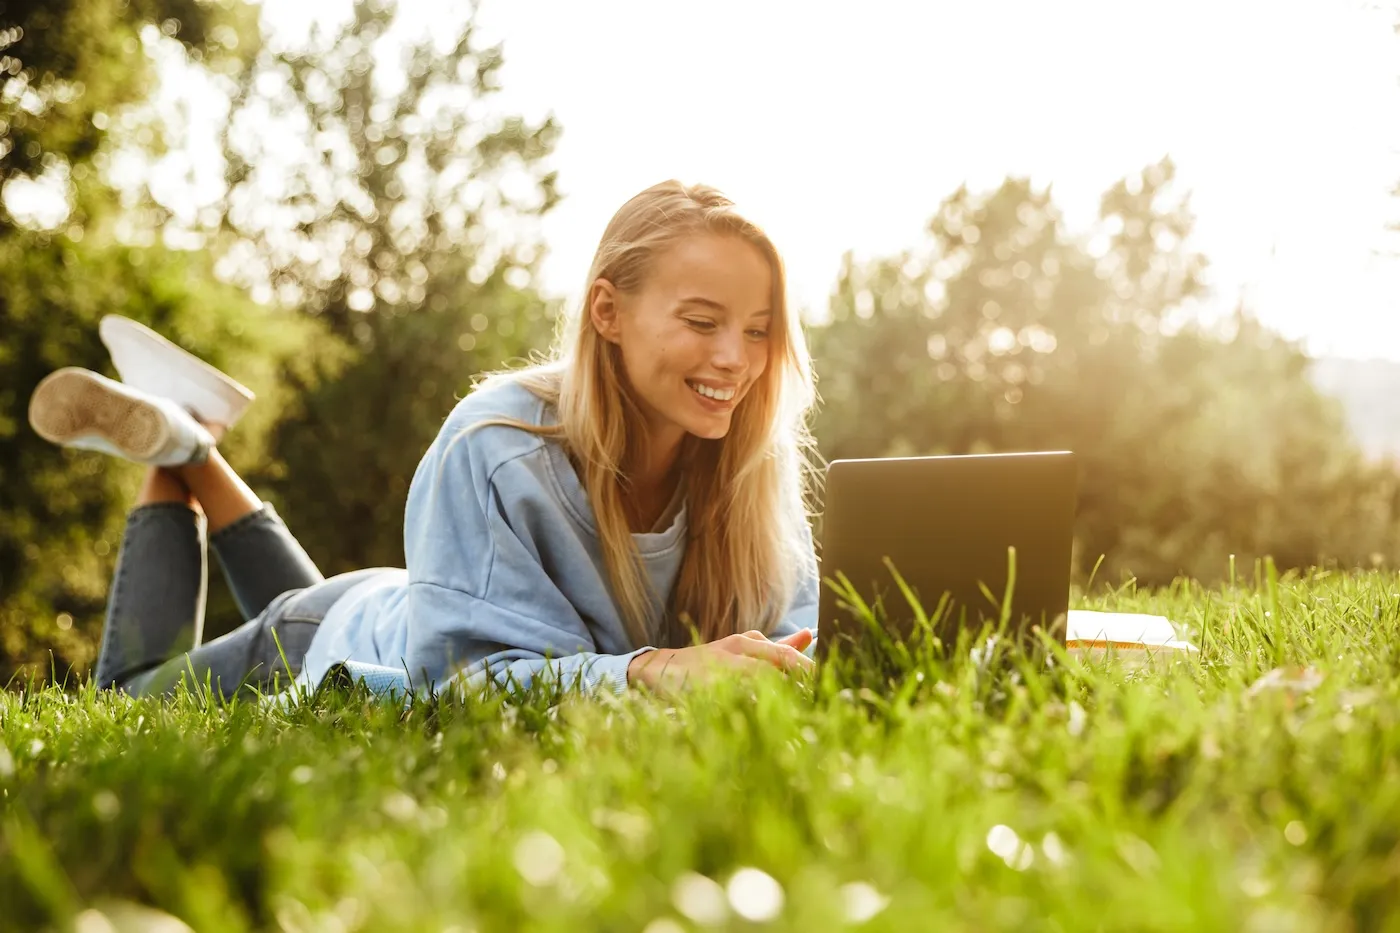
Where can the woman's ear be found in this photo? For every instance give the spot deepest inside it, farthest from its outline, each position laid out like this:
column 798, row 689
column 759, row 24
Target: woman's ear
column 602, row 310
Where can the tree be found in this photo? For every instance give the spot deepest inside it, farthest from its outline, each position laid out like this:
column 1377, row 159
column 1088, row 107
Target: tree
column 1005, row 332
column 61, row 511
column 405, row 222
column 68, row 74
column 68, row 65
column 963, row 326
column 402, row 174
column 392, row 258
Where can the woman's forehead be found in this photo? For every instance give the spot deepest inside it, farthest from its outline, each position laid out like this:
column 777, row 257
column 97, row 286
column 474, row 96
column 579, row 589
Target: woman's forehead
column 727, row 271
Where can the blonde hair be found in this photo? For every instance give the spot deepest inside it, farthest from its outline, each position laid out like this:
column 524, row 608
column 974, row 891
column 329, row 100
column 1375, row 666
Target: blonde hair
column 746, row 493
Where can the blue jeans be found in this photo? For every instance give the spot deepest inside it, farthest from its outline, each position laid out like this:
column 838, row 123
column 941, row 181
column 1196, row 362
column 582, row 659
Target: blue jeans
column 155, row 612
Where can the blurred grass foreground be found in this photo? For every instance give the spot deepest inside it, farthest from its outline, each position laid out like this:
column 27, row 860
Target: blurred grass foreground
column 1254, row 787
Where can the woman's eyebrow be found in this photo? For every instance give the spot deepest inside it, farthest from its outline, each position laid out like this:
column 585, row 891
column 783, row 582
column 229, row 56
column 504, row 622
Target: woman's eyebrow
column 705, row 302
column 718, row 306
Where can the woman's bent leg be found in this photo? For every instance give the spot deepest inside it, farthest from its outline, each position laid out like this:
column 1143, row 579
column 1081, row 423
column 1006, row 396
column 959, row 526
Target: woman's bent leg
column 261, row 560
column 222, row 494
column 156, row 607
column 264, row 654
column 247, row 656
column 155, row 613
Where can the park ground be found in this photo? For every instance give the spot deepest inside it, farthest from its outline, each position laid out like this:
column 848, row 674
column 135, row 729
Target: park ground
column 1251, row 787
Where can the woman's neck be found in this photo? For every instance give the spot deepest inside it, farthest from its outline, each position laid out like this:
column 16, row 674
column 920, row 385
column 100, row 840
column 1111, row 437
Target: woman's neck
column 653, row 483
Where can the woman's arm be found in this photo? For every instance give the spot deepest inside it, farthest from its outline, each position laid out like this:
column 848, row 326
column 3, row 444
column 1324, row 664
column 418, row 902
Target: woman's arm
column 802, row 610
column 482, row 606
column 511, row 650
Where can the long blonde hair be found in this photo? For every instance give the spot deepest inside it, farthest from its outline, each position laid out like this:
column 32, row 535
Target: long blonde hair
column 746, row 493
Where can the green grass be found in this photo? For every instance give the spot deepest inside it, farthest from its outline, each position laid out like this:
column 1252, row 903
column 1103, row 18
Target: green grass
column 972, row 796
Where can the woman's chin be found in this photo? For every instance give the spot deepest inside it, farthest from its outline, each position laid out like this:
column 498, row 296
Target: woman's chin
column 709, row 428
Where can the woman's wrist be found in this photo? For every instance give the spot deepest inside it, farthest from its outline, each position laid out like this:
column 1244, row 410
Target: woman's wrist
column 637, row 667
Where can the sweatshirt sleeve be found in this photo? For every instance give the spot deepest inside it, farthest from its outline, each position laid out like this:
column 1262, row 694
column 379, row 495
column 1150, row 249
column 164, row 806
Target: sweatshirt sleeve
column 482, row 606
column 802, row 611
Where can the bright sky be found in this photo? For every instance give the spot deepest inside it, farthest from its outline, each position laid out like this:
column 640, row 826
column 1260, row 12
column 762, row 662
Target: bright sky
column 842, row 126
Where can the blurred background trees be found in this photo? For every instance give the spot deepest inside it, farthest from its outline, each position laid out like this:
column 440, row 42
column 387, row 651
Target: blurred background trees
column 356, row 282
column 67, row 69
column 373, row 244
column 402, row 222
column 1007, row 332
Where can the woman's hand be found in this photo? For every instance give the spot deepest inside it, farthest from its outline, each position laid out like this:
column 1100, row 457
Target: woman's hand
column 667, row 668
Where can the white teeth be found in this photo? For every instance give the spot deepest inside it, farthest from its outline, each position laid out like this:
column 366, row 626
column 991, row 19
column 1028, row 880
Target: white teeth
column 712, row 393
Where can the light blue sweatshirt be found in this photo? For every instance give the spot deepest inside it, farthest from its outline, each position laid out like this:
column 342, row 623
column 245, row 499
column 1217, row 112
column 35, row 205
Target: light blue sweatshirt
column 505, row 575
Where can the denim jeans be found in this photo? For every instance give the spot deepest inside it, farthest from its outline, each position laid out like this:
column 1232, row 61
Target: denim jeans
column 155, row 612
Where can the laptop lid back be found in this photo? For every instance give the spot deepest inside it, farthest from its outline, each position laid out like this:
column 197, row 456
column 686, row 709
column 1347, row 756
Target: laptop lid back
column 946, row 523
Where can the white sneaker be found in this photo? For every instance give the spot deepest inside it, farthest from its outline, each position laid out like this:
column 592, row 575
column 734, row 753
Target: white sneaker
column 147, row 361
column 79, row 408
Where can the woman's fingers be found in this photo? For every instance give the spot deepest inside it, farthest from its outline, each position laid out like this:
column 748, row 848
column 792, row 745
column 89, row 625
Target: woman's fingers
column 794, row 660
column 800, row 640
column 775, row 653
column 671, row 669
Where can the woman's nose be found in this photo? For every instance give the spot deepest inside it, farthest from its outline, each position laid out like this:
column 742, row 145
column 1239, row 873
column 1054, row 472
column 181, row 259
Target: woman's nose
column 729, row 350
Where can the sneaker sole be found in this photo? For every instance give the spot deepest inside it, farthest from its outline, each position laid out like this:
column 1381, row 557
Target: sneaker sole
column 117, row 329
column 71, row 404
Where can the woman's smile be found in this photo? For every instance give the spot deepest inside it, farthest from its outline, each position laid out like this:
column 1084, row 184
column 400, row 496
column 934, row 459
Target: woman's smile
column 714, row 398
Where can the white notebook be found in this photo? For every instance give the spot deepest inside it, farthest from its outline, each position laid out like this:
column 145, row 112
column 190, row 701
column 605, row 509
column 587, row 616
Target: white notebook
column 1122, row 630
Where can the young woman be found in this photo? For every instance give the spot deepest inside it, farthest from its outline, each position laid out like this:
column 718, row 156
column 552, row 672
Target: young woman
column 583, row 519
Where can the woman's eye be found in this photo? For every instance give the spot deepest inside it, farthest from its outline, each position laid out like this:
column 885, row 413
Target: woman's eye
column 709, row 326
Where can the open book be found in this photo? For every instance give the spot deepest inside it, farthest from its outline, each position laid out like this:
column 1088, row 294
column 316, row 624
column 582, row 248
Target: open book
column 1122, row 631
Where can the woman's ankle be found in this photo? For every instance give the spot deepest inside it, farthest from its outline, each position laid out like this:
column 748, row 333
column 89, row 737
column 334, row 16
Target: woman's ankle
column 163, row 485
column 222, row 494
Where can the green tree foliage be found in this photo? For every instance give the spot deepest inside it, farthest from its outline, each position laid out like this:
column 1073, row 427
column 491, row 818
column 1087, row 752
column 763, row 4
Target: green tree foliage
column 68, row 64
column 61, row 511
column 1005, row 332
column 401, row 171
column 375, row 228
column 406, row 225
column 351, row 437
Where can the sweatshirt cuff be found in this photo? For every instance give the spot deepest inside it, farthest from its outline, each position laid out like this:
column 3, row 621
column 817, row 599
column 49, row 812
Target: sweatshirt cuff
column 608, row 672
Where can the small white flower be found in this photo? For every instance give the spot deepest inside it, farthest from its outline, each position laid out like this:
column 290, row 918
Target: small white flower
column 106, row 805
column 1077, row 719
column 1256, row 887
column 92, row 921
column 399, row 806
column 539, row 858
column 1054, row 849
column 755, row 895
column 1002, row 841
column 125, row 915
column 862, row 901
column 1138, row 853
column 1007, row 846
column 663, row 925
column 699, row 898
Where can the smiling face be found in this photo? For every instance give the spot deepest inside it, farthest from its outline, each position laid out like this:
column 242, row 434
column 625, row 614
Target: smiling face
column 695, row 338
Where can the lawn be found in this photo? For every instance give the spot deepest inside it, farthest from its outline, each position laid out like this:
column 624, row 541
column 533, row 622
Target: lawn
column 981, row 793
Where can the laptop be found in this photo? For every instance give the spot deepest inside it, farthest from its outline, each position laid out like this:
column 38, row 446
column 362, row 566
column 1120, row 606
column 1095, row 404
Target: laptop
column 947, row 523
